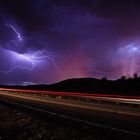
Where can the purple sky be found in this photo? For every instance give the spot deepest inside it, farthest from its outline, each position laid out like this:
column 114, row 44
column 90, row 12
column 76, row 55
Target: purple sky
column 45, row 41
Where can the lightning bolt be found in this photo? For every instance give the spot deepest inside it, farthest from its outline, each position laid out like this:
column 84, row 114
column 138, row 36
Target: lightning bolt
column 43, row 55
column 33, row 59
column 15, row 30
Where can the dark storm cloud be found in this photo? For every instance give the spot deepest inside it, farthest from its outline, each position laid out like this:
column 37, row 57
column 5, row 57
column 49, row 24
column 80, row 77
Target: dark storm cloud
column 86, row 32
column 44, row 19
column 27, row 13
column 125, row 12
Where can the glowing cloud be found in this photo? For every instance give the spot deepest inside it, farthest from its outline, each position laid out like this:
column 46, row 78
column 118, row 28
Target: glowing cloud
column 130, row 49
column 31, row 59
column 128, row 56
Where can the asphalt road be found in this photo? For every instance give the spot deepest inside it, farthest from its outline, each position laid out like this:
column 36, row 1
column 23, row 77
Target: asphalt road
column 110, row 119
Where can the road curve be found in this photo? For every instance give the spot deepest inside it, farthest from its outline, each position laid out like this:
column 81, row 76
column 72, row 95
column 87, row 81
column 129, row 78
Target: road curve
column 111, row 117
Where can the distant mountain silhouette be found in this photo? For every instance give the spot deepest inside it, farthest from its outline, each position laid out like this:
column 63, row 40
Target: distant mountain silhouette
column 122, row 86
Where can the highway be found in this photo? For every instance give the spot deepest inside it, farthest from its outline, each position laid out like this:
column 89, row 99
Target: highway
column 111, row 114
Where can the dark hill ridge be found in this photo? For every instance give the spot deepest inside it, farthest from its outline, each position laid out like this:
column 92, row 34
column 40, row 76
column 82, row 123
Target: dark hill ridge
column 91, row 85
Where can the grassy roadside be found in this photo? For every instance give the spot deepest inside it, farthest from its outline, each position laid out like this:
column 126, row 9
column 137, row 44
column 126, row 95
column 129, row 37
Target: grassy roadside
column 19, row 126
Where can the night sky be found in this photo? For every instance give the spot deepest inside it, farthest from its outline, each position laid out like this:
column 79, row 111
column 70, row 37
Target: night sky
column 45, row 41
